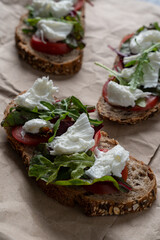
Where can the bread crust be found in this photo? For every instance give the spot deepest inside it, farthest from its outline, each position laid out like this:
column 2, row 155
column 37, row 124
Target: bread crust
column 122, row 115
column 62, row 65
column 140, row 176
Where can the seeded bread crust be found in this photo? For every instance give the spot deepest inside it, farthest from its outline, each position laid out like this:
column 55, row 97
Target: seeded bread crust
column 140, row 177
column 120, row 115
column 62, row 65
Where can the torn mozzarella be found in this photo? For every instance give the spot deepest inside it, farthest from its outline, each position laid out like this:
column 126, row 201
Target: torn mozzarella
column 34, row 125
column 108, row 163
column 42, row 90
column 144, row 40
column 52, row 30
column 150, row 70
column 77, row 138
column 120, row 95
column 45, row 8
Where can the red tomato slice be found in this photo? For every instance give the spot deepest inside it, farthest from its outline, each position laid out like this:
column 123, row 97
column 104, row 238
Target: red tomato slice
column 127, row 37
column 49, row 47
column 125, row 173
column 97, row 140
column 150, row 102
column 28, row 139
column 104, row 91
column 79, row 5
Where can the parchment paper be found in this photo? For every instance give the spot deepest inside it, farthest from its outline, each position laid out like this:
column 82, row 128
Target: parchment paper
column 26, row 213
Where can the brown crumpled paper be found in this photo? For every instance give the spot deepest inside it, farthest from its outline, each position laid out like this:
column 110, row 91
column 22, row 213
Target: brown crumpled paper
column 25, row 211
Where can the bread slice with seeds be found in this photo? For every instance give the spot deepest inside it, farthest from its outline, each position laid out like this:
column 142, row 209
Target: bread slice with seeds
column 122, row 116
column 140, row 177
column 62, row 65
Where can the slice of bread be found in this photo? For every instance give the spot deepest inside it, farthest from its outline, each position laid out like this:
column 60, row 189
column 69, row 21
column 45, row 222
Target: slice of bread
column 67, row 64
column 122, row 115
column 140, row 177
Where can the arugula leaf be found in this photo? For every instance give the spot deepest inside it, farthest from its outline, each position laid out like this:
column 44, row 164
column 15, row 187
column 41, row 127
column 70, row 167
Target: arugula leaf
column 66, row 170
column 81, row 182
column 79, row 105
column 31, row 11
column 71, row 107
column 113, row 73
column 56, row 126
column 137, row 76
column 131, row 63
column 141, row 102
column 95, row 122
column 18, row 116
column 32, row 21
column 156, row 26
column 41, row 167
column 28, row 30
column 50, row 106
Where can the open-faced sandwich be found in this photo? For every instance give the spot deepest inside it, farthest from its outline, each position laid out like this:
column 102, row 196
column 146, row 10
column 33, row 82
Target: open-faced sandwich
column 50, row 36
column 72, row 160
column 132, row 92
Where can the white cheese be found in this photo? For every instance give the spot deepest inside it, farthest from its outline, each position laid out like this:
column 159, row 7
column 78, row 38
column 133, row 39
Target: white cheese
column 52, row 30
column 127, row 72
column 43, row 8
column 34, row 125
column 151, row 70
column 120, row 95
column 144, row 40
column 108, row 163
column 131, row 58
column 77, row 138
column 42, row 90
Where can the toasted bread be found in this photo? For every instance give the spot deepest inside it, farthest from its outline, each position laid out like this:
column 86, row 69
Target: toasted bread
column 67, row 64
column 140, row 177
column 122, row 116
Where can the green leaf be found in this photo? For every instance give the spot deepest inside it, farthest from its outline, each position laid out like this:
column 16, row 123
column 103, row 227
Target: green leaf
column 112, row 72
column 48, row 105
column 65, row 103
column 95, row 122
column 35, row 110
column 42, row 168
column 80, row 182
column 156, row 26
column 131, row 63
column 56, row 126
column 17, row 117
column 66, row 170
column 79, row 104
column 28, row 30
column 32, row 21
column 137, row 77
column 141, row 102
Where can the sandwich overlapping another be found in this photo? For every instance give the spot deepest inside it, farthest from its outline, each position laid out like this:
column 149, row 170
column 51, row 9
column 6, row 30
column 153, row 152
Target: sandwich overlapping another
column 50, row 36
column 132, row 91
column 71, row 159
